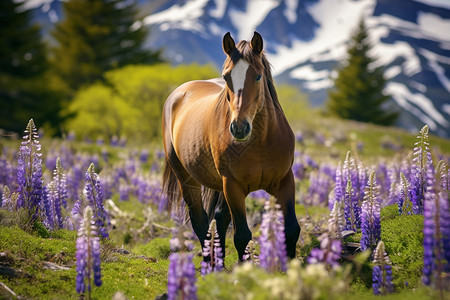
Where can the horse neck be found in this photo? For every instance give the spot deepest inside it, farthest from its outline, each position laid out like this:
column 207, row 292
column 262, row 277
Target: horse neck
column 268, row 118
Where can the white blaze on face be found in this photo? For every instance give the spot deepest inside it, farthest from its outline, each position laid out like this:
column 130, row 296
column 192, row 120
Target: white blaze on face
column 238, row 75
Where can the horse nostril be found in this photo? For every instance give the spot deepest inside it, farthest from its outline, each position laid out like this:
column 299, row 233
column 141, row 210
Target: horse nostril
column 233, row 128
column 246, row 128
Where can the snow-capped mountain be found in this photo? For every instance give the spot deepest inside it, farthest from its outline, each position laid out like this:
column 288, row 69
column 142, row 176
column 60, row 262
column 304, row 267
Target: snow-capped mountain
column 304, row 39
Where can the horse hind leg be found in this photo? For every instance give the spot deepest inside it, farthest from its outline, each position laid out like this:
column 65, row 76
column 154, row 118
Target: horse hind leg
column 218, row 209
column 191, row 192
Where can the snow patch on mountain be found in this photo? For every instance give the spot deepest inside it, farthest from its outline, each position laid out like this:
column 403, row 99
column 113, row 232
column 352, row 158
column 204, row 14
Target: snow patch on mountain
column 411, row 101
column 247, row 21
column 337, row 20
column 184, row 17
column 439, row 3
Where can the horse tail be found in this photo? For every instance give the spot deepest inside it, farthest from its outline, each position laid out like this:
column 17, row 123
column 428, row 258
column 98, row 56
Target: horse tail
column 170, row 187
column 211, row 200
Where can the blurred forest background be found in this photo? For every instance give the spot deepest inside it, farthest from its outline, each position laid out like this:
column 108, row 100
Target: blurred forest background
column 93, row 77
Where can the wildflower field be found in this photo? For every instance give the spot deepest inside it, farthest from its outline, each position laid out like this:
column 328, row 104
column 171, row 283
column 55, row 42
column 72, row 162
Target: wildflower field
column 87, row 219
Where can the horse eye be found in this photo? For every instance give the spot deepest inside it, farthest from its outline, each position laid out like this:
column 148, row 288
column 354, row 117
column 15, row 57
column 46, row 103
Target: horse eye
column 258, row 78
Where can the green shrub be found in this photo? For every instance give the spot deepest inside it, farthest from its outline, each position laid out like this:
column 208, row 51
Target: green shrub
column 157, row 248
column 250, row 282
column 403, row 237
column 130, row 102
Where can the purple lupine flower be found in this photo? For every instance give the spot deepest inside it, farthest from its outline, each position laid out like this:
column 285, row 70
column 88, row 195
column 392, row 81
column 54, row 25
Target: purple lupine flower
column 330, row 243
column 382, row 271
column 272, row 240
column 404, row 202
column 339, row 188
column 443, row 176
column 88, row 254
column 298, row 168
column 182, row 240
column 7, row 201
column 143, row 156
column 212, row 252
column 6, row 173
column 422, row 162
column 370, row 219
column 74, row 179
column 336, row 222
column 94, row 197
column 355, row 173
column 251, row 253
column 349, row 208
column 320, row 186
column 58, row 194
column 29, row 171
column 436, row 232
column 329, row 252
column 124, row 190
column 181, row 277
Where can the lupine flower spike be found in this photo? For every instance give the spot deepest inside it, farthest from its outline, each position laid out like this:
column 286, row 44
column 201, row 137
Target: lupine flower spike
column 181, row 277
column 349, row 208
column 251, row 253
column 436, row 231
column 371, row 224
column 57, row 197
column 404, row 203
column 422, row 162
column 330, row 244
column 272, row 240
column 29, row 172
column 88, row 255
column 212, row 251
column 382, row 271
column 9, row 200
column 94, row 197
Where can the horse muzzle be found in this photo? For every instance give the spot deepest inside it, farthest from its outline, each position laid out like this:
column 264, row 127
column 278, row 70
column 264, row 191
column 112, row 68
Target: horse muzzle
column 240, row 132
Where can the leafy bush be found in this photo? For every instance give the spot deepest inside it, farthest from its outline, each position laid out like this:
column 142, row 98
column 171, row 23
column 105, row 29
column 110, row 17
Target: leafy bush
column 130, row 101
column 250, row 282
column 403, row 237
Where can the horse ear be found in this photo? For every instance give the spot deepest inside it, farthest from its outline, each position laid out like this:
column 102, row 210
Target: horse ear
column 257, row 43
column 228, row 43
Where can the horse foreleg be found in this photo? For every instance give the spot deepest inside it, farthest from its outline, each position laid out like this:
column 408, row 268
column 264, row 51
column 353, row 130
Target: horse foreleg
column 284, row 192
column 235, row 197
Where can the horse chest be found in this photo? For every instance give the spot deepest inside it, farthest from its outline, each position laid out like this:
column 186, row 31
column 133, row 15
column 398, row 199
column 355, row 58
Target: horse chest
column 259, row 166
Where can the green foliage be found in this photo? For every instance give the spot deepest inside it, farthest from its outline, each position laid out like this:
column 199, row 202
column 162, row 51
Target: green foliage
column 358, row 88
column 96, row 36
column 24, row 91
column 403, row 237
column 389, row 212
column 26, row 254
column 130, row 102
column 250, row 282
column 158, row 248
column 295, row 104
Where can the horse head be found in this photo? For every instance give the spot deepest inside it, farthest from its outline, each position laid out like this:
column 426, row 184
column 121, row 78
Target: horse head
column 244, row 76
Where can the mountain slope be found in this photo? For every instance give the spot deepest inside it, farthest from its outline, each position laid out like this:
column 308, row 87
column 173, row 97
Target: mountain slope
column 305, row 39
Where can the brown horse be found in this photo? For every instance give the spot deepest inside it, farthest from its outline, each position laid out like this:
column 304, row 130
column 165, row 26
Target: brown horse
column 231, row 137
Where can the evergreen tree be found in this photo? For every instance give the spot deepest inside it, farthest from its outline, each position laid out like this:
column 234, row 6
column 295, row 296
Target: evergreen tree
column 96, row 36
column 24, row 92
column 358, row 88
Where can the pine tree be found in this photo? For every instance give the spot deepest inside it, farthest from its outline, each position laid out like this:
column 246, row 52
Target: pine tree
column 24, row 92
column 96, row 36
column 358, row 88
